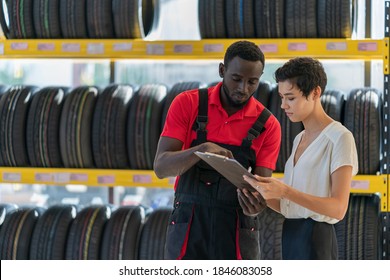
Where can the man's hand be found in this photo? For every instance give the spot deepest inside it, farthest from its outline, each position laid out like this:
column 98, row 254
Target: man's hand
column 209, row 147
column 251, row 203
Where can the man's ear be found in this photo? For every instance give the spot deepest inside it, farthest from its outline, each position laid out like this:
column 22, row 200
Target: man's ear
column 221, row 70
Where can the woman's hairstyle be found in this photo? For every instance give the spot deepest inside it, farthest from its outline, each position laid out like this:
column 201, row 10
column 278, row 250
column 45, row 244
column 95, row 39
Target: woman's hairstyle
column 305, row 72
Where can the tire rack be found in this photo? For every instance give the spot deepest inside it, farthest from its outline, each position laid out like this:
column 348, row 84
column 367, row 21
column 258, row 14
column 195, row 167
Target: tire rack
column 365, row 49
column 385, row 215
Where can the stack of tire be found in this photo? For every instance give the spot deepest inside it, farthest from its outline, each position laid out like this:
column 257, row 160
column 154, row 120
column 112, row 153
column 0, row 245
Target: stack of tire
column 127, row 233
column 29, row 19
column 85, row 127
column 277, row 18
column 91, row 233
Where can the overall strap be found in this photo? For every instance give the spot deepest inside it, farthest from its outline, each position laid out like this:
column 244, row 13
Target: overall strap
column 202, row 119
column 257, row 128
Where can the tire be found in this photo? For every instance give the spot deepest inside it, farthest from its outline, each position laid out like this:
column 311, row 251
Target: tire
column 109, row 127
column 359, row 233
column 73, row 20
column 85, row 234
column 152, row 241
column 48, row 240
column 121, row 234
column 271, row 226
column 15, row 233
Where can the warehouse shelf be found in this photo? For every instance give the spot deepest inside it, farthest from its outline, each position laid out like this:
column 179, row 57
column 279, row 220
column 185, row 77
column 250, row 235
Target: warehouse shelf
column 80, row 176
column 363, row 184
column 196, row 49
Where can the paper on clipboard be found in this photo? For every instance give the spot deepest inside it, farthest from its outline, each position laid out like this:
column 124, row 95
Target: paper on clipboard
column 230, row 168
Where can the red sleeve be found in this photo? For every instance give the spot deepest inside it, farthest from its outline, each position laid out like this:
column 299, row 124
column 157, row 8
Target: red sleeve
column 179, row 117
column 268, row 153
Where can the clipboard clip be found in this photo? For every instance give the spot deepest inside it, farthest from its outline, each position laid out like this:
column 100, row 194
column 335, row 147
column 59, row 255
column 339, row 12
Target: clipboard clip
column 216, row 155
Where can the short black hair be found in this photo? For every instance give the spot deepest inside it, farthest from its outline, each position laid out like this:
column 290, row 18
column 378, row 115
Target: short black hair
column 305, row 72
column 245, row 50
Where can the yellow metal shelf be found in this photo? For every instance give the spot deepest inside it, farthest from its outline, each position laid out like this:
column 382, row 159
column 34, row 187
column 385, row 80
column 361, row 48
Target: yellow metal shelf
column 196, row 49
column 78, row 176
column 363, row 184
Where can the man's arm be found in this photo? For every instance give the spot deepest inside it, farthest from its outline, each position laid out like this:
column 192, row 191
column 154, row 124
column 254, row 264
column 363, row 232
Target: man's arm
column 171, row 160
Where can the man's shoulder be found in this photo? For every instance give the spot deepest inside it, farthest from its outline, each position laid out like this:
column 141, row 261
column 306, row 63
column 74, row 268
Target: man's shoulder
column 272, row 120
column 187, row 96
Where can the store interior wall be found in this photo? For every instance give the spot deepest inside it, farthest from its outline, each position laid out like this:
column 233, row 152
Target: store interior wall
column 173, row 25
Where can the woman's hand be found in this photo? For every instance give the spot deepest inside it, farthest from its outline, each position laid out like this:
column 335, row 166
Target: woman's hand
column 269, row 187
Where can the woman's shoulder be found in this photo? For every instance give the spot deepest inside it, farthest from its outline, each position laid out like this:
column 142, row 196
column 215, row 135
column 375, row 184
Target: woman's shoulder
column 338, row 131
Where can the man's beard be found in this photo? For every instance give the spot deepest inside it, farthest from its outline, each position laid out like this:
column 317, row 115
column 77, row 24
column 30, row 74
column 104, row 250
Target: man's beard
column 231, row 102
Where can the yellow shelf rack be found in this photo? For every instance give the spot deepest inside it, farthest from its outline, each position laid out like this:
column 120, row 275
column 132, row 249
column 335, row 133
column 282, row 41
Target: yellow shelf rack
column 80, row 176
column 362, row 184
column 195, row 49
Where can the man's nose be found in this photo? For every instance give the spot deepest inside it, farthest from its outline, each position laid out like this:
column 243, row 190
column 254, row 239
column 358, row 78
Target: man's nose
column 244, row 87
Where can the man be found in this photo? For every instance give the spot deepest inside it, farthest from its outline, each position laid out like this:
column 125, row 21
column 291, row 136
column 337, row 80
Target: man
column 212, row 219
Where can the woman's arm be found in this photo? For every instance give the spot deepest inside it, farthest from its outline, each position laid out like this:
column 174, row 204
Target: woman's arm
column 334, row 206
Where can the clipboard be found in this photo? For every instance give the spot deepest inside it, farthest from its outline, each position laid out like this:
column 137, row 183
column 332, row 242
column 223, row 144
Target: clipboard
column 230, row 168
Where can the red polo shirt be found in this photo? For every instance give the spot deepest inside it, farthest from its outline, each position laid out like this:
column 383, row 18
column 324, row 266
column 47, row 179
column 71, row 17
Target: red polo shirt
column 220, row 127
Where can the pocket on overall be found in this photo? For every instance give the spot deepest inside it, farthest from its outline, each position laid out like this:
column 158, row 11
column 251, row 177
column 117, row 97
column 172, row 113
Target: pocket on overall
column 249, row 238
column 177, row 230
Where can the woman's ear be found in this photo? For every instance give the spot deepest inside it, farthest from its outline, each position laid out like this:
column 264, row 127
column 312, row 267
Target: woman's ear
column 317, row 92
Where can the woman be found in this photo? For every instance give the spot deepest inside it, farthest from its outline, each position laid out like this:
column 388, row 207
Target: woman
column 315, row 191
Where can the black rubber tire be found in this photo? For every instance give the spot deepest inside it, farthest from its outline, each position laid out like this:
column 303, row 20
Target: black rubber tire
column 130, row 131
column 5, row 209
column 152, row 241
column 121, row 234
column 301, row 19
column 99, row 19
column 133, row 19
column 263, row 93
column 14, row 106
column 21, row 24
column 4, row 13
column 15, row 233
column 47, row 19
column 219, row 18
column 42, row 128
column 363, row 117
column 333, row 102
column 76, row 127
column 359, row 233
column 50, row 234
column 109, row 127
column 73, row 19
column 86, row 232
column 271, row 226
column 234, row 26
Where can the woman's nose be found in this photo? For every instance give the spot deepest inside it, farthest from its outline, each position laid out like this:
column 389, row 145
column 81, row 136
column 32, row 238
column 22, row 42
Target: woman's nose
column 283, row 104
